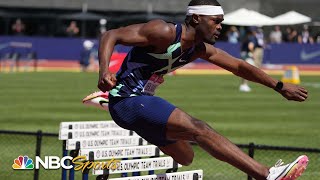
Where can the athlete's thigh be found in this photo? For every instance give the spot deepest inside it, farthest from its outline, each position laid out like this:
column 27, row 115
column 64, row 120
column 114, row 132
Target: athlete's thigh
column 181, row 151
column 182, row 126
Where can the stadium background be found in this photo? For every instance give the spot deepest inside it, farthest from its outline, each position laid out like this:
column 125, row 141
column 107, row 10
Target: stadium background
column 40, row 100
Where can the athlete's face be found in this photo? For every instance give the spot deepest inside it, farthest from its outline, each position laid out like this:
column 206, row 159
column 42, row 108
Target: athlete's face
column 209, row 28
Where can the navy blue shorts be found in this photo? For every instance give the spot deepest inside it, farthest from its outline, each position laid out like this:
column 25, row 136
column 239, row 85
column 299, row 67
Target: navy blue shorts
column 146, row 115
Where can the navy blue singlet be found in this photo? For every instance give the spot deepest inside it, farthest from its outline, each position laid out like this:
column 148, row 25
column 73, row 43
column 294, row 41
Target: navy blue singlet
column 140, row 66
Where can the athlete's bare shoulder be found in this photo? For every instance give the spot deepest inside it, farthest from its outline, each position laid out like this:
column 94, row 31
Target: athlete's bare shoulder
column 159, row 31
column 156, row 34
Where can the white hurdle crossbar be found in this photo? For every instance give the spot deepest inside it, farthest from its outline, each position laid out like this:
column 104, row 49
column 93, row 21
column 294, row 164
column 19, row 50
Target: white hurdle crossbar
column 107, row 132
column 184, row 175
column 85, row 125
column 121, row 152
column 105, row 142
column 138, row 165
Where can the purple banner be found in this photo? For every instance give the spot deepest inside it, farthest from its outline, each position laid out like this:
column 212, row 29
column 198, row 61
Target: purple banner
column 292, row 53
column 70, row 49
column 46, row 48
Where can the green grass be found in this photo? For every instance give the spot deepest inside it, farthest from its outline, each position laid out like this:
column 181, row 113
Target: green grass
column 33, row 101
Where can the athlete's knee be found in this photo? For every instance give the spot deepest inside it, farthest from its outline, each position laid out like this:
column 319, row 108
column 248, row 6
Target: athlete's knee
column 188, row 159
column 184, row 160
column 180, row 151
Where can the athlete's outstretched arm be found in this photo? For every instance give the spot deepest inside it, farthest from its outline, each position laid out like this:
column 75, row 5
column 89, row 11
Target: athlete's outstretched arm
column 251, row 73
column 153, row 34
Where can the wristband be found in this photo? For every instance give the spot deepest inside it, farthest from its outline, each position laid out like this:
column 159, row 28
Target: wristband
column 279, row 86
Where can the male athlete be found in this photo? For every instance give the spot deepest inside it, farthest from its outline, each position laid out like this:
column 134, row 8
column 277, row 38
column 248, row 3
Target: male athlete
column 160, row 48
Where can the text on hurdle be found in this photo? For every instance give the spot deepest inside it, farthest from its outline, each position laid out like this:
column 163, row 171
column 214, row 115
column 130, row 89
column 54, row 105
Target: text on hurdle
column 105, row 142
column 77, row 134
column 138, row 165
column 185, row 175
column 121, row 152
column 88, row 125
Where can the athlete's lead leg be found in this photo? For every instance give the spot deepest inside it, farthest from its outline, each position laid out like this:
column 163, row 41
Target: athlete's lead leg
column 182, row 126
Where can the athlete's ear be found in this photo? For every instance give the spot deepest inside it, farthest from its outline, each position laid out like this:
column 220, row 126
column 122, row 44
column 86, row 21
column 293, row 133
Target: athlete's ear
column 195, row 18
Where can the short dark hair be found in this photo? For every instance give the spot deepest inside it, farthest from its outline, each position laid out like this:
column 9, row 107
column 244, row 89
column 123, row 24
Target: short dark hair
column 204, row 2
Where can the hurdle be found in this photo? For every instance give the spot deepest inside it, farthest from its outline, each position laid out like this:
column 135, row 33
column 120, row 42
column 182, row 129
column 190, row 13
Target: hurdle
column 91, row 133
column 185, row 175
column 122, row 152
column 15, row 53
column 94, row 134
column 92, row 155
column 88, row 125
column 105, row 140
column 148, row 164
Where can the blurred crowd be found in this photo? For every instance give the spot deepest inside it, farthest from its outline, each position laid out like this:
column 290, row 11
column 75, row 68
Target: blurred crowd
column 290, row 34
column 278, row 34
column 70, row 28
column 253, row 41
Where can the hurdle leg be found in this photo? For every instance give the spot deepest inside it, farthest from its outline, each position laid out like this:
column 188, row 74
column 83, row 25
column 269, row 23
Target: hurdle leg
column 85, row 173
column 64, row 153
column 71, row 171
column 73, row 153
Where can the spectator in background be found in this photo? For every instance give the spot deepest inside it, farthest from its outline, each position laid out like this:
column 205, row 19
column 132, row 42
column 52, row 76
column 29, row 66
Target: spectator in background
column 318, row 38
column 103, row 28
column 72, row 30
column 233, row 35
column 259, row 47
column 276, row 35
column 293, row 36
column 18, row 28
column 304, row 37
column 247, row 50
column 86, row 55
column 286, row 35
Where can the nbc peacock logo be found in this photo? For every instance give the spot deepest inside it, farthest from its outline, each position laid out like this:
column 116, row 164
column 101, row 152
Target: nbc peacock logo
column 22, row 162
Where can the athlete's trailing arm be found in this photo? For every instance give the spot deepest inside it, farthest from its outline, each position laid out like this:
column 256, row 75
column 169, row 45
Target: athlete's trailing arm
column 157, row 34
column 251, row 73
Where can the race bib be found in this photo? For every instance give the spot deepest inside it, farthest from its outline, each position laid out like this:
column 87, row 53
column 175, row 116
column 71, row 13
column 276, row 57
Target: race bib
column 152, row 84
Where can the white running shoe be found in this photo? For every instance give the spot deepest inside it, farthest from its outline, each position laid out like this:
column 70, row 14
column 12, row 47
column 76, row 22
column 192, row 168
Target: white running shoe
column 97, row 99
column 244, row 88
column 290, row 171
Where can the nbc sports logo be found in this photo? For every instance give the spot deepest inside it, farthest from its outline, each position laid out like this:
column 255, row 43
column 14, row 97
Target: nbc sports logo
column 49, row 162
column 22, row 162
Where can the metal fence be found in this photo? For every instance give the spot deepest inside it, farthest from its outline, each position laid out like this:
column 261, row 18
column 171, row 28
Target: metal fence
column 15, row 143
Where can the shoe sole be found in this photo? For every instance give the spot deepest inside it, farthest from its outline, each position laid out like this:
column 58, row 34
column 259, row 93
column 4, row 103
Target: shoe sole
column 297, row 169
column 94, row 95
column 98, row 102
column 91, row 96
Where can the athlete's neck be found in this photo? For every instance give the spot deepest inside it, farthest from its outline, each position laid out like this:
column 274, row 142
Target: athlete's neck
column 188, row 38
